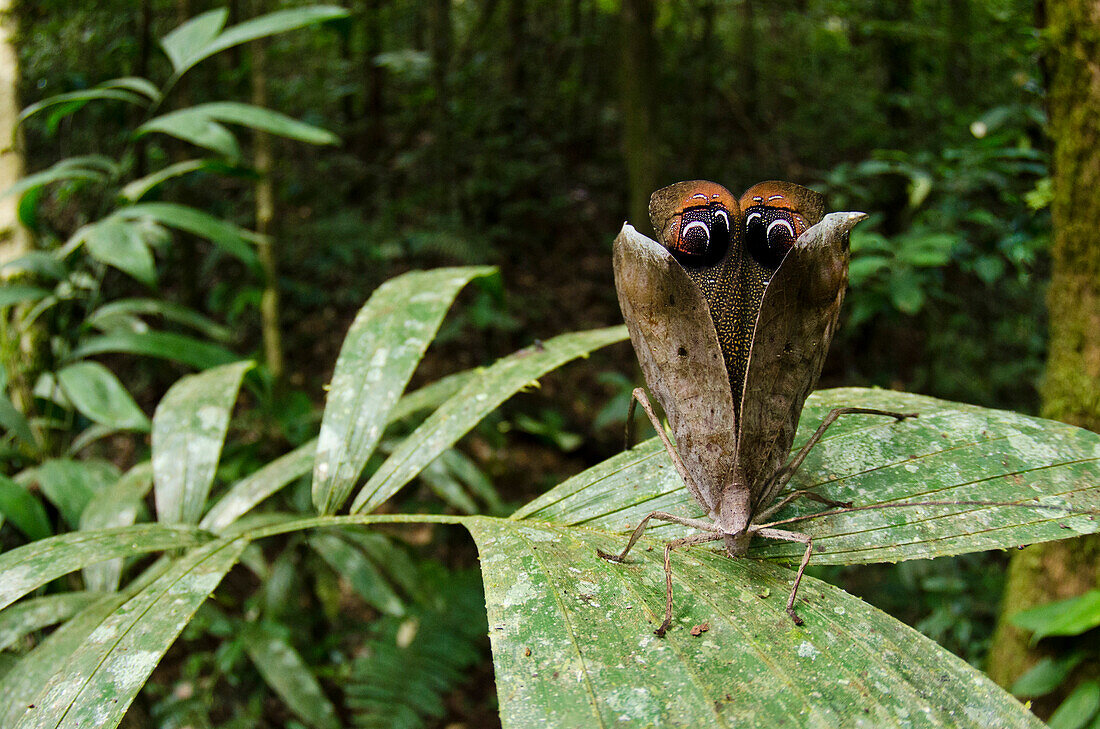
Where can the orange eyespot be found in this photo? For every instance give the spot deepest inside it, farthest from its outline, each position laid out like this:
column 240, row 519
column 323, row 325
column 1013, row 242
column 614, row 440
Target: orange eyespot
column 776, row 213
column 700, row 218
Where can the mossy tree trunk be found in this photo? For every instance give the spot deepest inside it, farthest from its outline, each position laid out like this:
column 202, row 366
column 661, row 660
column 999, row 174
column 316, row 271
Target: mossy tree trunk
column 1071, row 391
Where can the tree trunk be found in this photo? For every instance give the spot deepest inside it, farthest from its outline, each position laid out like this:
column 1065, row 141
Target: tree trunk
column 14, row 240
column 636, row 82
column 1071, row 391
column 265, row 215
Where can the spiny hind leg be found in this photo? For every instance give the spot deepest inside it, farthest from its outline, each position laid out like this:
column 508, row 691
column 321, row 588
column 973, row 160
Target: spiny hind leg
column 676, row 544
column 700, row 524
column 792, row 537
column 639, row 396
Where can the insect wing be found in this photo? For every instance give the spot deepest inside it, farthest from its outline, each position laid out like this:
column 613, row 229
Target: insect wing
column 675, row 340
column 798, row 316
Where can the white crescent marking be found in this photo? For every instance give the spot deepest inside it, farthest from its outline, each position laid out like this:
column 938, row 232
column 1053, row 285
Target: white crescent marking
column 693, row 224
column 784, row 223
column 724, row 217
column 751, row 216
column 775, row 197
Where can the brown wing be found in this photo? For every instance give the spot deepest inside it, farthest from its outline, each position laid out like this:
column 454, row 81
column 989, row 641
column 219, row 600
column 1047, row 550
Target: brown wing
column 674, row 337
column 701, row 225
column 798, row 315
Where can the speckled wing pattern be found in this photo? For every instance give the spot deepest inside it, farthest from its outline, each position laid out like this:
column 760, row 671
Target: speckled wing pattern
column 677, row 346
column 798, row 315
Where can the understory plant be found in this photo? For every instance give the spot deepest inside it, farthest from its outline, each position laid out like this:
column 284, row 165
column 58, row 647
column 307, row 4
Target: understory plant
column 571, row 634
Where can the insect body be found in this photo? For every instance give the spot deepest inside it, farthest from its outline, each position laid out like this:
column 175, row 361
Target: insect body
column 731, row 346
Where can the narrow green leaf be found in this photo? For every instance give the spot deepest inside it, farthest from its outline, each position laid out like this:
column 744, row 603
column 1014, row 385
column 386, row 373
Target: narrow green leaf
column 23, row 510
column 101, row 678
column 37, row 262
column 57, row 173
column 573, row 644
column 73, row 101
column 28, row 616
column 119, row 243
column 188, row 432
column 137, row 84
column 464, row 410
column 70, row 485
column 119, row 314
column 952, row 452
column 184, row 46
column 1078, row 708
column 289, row 676
column 32, row 565
column 97, row 394
column 88, row 436
column 14, row 422
column 202, row 131
column 118, row 505
column 140, row 187
column 1072, row 616
column 12, row 294
column 380, row 352
column 230, row 238
column 256, row 487
column 200, row 116
column 360, row 573
column 165, row 345
column 19, row 688
column 1046, row 675
column 272, row 24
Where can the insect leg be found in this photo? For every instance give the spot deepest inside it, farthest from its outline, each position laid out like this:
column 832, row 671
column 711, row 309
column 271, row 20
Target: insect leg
column 761, row 516
column 640, row 397
column 784, row 476
column 674, row 544
column 700, row 524
column 792, row 537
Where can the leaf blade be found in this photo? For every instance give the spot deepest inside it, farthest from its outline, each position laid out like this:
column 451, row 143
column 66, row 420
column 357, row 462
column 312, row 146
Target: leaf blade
column 189, row 428
column 477, row 398
column 382, row 348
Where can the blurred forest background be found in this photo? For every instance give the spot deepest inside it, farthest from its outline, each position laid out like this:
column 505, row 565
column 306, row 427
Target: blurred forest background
column 521, row 133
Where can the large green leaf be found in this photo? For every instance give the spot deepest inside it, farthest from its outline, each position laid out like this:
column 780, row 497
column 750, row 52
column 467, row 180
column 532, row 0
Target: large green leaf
column 350, row 563
column 70, row 484
column 202, row 131
column 23, row 510
column 1071, row 616
column 257, row 486
column 20, row 686
column 951, row 452
column 100, row 679
column 254, row 488
column 11, row 294
column 27, row 567
column 380, row 352
column 230, row 238
column 165, row 345
column 139, row 188
column 120, row 243
column 201, row 38
column 474, row 401
column 285, row 672
column 573, row 644
column 184, row 45
column 120, row 315
column 28, row 616
column 188, row 432
column 180, row 123
column 72, row 101
column 117, row 505
column 14, row 422
column 96, row 393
